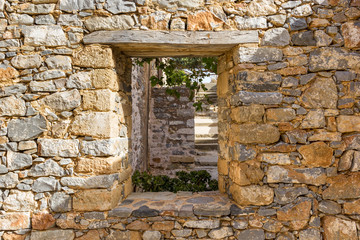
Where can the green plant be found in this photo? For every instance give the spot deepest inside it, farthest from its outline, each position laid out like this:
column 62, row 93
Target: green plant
column 195, row 181
column 189, row 72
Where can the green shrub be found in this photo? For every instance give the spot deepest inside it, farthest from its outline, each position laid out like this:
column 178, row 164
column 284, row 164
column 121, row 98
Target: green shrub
column 195, row 181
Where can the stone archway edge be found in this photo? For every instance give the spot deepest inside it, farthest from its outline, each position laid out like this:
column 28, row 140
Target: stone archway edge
column 141, row 43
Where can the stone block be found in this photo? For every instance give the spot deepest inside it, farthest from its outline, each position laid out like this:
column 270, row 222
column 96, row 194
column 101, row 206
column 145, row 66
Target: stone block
column 314, row 119
column 348, row 123
column 337, row 228
column 50, row 36
column 351, row 34
column 243, row 23
column 17, row 161
column 99, row 100
column 257, row 81
column 221, row 233
column 284, row 174
column 45, row 184
column 48, row 168
column 74, row 5
column 58, row 147
column 289, row 194
column 203, row 21
column 254, row 133
column 94, row 57
column 242, row 152
column 252, row 113
column 9, row 180
column 321, row 94
column 252, row 195
column 49, row 74
column 352, row 207
column 60, row 202
column 276, row 37
column 256, row 98
column 304, row 39
column 26, row 61
column 106, row 147
column 100, row 181
column 117, row 22
column 343, row 187
column 310, row 234
column 12, row 106
column 105, row 79
column 262, row 8
column 329, row 207
column 99, row 165
column 295, row 212
column 14, row 221
column 280, row 114
column 316, row 155
column 52, row 234
column 223, row 84
column 26, row 129
column 203, row 224
column 276, row 158
column 46, row 86
column 116, row 7
column 19, row 201
column 59, row 62
column 79, row 80
column 257, row 55
column 245, row 174
column 97, row 199
column 7, row 75
column 254, row 234
column 42, row 221
column 96, row 124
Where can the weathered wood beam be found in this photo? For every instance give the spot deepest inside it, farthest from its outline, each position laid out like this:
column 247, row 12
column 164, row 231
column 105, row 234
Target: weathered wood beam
column 172, row 43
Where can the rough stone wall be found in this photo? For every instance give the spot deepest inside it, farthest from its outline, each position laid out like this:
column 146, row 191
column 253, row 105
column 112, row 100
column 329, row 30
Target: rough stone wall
column 289, row 114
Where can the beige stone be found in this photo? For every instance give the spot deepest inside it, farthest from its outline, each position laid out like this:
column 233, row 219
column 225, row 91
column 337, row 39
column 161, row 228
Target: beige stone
column 12, row 236
column 348, row 123
column 343, row 187
column 276, row 158
column 94, row 56
column 7, row 75
column 252, row 113
column 14, row 220
column 223, row 84
column 99, row 165
column 223, row 167
column 280, row 114
column 252, row 195
column 96, row 124
column 138, row 226
column 97, row 199
column 316, row 155
column 262, row 8
column 351, row 34
column 300, row 211
column 254, row 133
column 20, row 201
column 322, row 93
column 337, row 228
column 245, row 174
column 99, row 100
column 105, row 78
column 325, row 136
column 352, row 207
column 12, row 106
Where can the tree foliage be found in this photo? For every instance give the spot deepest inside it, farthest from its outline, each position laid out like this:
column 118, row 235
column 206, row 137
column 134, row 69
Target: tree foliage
column 184, row 71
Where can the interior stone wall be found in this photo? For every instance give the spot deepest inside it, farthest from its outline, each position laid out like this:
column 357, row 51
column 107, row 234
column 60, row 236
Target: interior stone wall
column 288, row 117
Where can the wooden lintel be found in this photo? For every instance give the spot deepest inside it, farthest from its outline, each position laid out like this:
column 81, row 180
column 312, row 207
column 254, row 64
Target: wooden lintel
column 172, row 43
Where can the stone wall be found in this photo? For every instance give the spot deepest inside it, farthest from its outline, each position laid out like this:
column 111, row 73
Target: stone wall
column 288, row 113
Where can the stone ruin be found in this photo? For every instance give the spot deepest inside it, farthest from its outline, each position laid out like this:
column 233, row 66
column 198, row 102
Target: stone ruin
column 288, row 111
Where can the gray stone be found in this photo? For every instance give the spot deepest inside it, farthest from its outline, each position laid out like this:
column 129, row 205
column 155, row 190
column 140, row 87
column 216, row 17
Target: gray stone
column 250, row 23
column 37, row 8
column 256, row 55
column 101, row 181
column 12, row 90
column 276, row 37
column 121, row 212
column 145, row 211
column 242, row 152
column 51, row 36
column 287, row 195
column 314, row 119
column 50, row 74
column 297, row 23
column 120, row 6
column 240, row 224
column 267, row 211
column 17, row 161
column 329, row 207
column 74, row 5
column 26, row 145
column 2, row 4
column 322, row 39
column 26, row 129
column 277, row 66
column 256, row 98
column 213, row 210
column 303, row 39
column 106, row 147
column 80, row 80
column 19, row 201
column 262, row 8
column 69, row 20
column 310, row 234
column 297, row 136
column 48, row 168
column 26, row 61
column 12, row 106
column 277, row 20
column 290, row 4
column 60, row 202
column 182, row 233
column 9, row 43
column 9, row 180
column 151, row 235
column 313, row 176
column 95, row 215
column 290, row 82
column 3, row 169
column 257, row 81
column 52, row 234
column 344, row 76
column 45, row 20
column 221, row 233
column 63, row 101
column 188, row 4
column 253, row 234
column 45, row 86
column 210, row 224
column 117, row 22
column 302, row 11
column 58, row 147
column 46, row 184
column 59, row 62
column 20, row 19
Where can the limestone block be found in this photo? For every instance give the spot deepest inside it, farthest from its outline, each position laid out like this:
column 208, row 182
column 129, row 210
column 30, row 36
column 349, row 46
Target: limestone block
column 314, row 119
column 256, row 55
column 117, row 22
column 101, row 181
column 250, row 23
column 252, row 195
column 26, row 129
column 99, row 100
column 351, row 34
column 122, row 6
column 30, row 8
column 26, row 61
column 97, row 199
column 48, row 168
column 223, row 84
column 254, row 133
column 7, row 75
column 262, row 8
column 18, row 201
column 50, row 36
column 188, row 4
column 203, row 20
column 14, row 220
column 96, row 124
column 276, row 37
column 73, row 5
column 352, row 207
column 99, row 165
column 348, row 123
column 17, row 161
column 52, row 234
column 46, row 184
column 106, row 147
column 289, row 194
column 58, row 147
column 105, row 79
column 302, row 11
column 80, row 80
column 59, row 62
column 299, row 211
column 211, row 224
column 42, row 221
column 12, row 106
column 45, row 86
column 50, row 74
column 20, row 19
column 9, row 180
column 256, row 98
column 60, row 202
column 94, row 57
column 62, row 101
